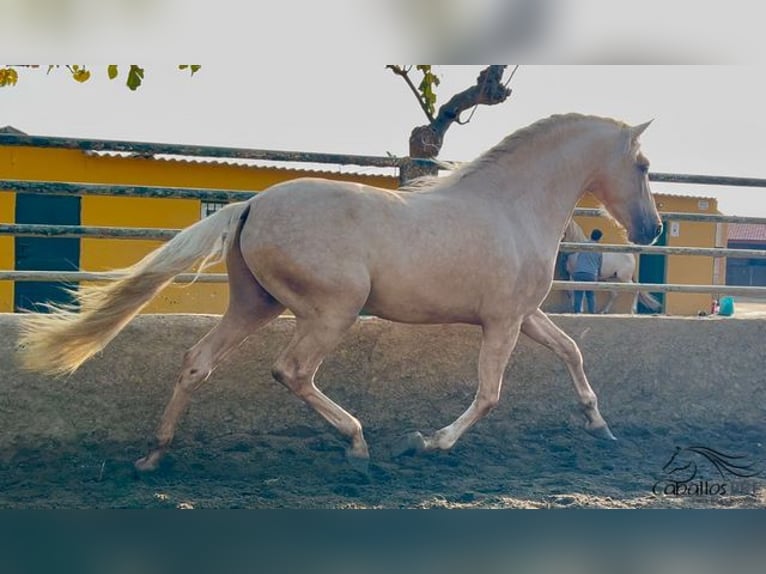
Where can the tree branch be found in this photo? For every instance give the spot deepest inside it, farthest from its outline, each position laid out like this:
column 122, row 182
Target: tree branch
column 426, row 140
column 488, row 90
column 399, row 71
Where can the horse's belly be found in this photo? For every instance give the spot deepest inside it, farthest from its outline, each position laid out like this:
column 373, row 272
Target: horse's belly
column 408, row 306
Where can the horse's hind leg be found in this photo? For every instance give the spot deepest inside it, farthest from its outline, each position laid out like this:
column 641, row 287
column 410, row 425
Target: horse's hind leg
column 250, row 307
column 296, row 366
column 540, row 328
column 198, row 364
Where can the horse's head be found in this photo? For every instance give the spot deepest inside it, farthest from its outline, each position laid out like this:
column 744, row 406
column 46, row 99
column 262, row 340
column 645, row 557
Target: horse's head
column 622, row 185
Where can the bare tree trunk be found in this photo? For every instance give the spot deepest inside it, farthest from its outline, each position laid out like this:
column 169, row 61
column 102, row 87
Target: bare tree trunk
column 426, row 141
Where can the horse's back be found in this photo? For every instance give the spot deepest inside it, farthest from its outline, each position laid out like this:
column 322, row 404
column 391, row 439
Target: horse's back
column 315, row 193
column 394, row 252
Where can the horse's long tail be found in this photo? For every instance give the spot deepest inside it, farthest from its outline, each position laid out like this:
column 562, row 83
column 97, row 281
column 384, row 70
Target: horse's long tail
column 649, row 301
column 60, row 341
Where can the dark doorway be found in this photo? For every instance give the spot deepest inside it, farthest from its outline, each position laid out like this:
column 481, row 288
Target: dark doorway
column 652, row 269
column 44, row 253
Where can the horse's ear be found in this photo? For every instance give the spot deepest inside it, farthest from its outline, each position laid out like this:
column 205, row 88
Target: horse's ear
column 636, row 131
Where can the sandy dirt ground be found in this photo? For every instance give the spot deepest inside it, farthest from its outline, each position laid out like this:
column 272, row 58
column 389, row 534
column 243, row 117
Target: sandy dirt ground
column 530, row 453
column 499, row 466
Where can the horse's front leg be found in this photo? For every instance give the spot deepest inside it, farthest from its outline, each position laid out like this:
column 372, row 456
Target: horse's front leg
column 540, row 328
column 497, row 344
column 296, row 366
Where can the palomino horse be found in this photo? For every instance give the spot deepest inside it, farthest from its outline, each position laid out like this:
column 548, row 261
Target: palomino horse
column 476, row 247
column 620, row 267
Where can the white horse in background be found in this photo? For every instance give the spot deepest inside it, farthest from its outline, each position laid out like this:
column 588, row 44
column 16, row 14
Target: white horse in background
column 618, row 267
column 477, row 247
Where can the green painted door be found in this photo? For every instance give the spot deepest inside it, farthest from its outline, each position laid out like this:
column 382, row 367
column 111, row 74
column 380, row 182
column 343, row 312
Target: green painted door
column 652, row 270
column 44, row 253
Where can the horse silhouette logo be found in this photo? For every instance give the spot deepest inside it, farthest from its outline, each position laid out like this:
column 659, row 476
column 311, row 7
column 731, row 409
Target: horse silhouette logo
column 684, row 472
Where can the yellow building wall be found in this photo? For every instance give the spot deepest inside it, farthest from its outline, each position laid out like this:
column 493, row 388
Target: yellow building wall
column 7, row 255
column 108, row 254
column 689, row 269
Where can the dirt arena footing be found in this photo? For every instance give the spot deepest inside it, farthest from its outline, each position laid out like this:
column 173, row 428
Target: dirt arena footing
column 673, row 390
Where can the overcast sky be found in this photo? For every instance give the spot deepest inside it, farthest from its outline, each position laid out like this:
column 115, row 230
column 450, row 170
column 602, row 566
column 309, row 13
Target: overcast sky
column 707, row 119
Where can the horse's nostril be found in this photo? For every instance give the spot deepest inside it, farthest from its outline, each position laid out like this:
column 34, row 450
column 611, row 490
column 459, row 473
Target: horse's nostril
column 658, row 230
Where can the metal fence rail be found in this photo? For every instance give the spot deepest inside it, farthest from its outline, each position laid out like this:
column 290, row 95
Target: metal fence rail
column 679, row 216
column 77, row 276
column 660, row 287
column 61, row 188
column 42, row 230
column 567, row 247
column 148, row 233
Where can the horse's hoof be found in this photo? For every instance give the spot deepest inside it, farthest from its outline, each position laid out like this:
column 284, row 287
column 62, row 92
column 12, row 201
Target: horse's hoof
column 602, row 433
column 358, row 463
column 413, row 443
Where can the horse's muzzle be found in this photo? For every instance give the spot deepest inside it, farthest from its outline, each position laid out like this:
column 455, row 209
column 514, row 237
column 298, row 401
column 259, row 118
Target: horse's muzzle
column 646, row 233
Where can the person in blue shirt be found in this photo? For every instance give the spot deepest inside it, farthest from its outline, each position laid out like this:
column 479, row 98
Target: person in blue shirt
column 587, row 268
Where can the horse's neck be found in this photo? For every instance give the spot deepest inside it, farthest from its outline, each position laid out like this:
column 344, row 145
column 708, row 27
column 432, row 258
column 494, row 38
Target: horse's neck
column 537, row 193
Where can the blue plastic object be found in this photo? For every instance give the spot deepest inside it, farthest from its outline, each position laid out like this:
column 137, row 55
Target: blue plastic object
column 726, row 306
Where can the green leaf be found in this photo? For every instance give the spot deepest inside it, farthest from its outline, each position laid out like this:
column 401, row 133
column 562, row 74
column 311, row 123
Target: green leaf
column 135, row 77
column 112, row 71
column 194, row 68
column 426, row 87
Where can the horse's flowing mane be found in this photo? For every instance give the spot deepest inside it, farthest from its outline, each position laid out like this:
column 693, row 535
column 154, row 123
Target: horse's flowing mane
column 507, row 147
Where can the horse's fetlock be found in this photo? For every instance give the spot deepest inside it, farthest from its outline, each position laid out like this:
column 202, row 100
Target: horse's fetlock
column 487, row 403
column 590, row 403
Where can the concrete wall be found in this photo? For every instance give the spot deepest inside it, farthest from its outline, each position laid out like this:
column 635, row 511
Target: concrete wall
column 655, row 372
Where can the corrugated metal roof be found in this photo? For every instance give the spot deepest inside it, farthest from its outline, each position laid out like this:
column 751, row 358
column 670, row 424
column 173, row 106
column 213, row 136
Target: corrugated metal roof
column 682, row 196
column 12, row 130
column 318, row 169
column 747, row 232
